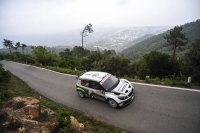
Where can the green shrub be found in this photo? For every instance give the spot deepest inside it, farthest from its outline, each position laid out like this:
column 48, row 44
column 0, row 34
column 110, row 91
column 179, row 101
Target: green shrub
column 43, row 115
column 64, row 70
column 3, row 116
column 63, row 124
column 155, row 80
column 167, row 81
column 5, row 75
column 5, row 94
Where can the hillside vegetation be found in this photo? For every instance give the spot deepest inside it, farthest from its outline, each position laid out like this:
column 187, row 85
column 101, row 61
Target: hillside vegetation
column 157, row 42
column 157, row 64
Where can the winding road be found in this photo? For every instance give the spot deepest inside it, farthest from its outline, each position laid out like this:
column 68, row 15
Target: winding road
column 155, row 109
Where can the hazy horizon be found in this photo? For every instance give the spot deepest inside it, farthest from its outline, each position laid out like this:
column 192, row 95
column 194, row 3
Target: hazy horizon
column 55, row 16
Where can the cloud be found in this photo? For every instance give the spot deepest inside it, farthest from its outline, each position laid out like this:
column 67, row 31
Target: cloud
column 48, row 16
column 121, row 2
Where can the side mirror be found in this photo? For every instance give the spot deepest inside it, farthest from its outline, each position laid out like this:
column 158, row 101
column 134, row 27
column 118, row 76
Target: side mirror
column 77, row 77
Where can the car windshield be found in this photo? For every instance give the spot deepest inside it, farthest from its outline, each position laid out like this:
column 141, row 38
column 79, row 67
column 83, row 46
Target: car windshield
column 110, row 83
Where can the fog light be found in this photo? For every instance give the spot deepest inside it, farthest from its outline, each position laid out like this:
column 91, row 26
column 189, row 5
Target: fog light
column 121, row 104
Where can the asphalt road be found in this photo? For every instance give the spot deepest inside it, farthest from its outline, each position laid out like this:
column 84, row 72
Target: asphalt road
column 155, row 109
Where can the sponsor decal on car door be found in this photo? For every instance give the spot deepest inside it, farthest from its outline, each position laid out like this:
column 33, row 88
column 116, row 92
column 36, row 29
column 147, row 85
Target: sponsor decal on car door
column 99, row 94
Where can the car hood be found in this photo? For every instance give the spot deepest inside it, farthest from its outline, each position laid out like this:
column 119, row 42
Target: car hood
column 123, row 88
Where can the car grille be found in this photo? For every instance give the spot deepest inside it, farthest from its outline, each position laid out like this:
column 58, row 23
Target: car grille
column 131, row 93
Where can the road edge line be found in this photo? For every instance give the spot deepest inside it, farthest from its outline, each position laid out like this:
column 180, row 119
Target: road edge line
column 170, row 87
column 162, row 86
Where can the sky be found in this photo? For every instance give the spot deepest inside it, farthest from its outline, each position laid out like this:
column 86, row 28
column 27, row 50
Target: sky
column 18, row 17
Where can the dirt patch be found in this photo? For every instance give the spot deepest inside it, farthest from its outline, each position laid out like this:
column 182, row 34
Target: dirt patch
column 23, row 114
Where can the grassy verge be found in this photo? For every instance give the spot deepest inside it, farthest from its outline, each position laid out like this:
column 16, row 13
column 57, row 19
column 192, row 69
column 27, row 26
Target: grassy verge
column 175, row 83
column 167, row 82
column 18, row 88
column 164, row 81
column 64, row 70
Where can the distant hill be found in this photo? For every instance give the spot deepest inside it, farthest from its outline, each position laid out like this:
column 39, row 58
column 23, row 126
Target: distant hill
column 120, row 39
column 28, row 49
column 156, row 42
column 104, row 38
column 139, row 39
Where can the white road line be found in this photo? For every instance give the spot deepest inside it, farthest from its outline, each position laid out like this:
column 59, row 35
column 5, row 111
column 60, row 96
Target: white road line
column 176, row 88
column 46, row 69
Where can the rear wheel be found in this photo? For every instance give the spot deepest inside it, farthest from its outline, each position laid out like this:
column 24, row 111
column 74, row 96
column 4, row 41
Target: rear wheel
column 112, row 103
column 81, row 94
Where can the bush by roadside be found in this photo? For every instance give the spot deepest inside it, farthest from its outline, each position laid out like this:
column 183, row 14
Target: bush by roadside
column 5, row 77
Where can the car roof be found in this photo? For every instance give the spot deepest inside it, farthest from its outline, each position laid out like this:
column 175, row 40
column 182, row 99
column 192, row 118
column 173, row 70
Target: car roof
column 94, row 75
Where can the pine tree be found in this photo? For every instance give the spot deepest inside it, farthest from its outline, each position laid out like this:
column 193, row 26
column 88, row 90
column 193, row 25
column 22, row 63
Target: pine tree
column 176, row 39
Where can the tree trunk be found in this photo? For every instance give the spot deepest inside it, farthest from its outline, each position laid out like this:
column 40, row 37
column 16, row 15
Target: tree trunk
column 10, row 52
column 174, row 53
column 82, row 48
column 23, row 50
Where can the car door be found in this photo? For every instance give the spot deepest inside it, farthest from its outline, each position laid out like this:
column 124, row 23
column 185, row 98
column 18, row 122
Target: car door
column 85, row 85
column 97, row 91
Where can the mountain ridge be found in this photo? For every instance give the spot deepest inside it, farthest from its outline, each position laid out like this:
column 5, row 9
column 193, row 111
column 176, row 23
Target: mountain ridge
column 156, row 42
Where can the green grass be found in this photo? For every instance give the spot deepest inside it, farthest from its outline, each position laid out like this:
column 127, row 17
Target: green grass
column 164, row 81
column 173, row 82
column 18, row 88
column 64, row 70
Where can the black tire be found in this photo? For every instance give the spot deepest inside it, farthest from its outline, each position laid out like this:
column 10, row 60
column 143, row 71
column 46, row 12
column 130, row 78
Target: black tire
column 81, row 94
column 112, row 103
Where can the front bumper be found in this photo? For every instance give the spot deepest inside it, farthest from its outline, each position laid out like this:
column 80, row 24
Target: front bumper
column 128, row 101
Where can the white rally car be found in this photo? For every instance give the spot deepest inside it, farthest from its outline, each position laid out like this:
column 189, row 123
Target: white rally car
column 105, row 87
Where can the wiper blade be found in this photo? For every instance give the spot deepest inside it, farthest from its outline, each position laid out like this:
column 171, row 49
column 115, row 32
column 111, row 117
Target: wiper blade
column 114, row 85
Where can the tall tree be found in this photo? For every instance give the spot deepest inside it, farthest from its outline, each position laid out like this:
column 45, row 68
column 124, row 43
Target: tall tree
column 17, row 45
column 194, row 52
column 87, row 28
column 9, row 44
column 65, row 53
column 44, row 57
column 14, row 48
column 23, row 46
column 40, row 54
column 193, row 61
column 159, row 64
column 176, row 39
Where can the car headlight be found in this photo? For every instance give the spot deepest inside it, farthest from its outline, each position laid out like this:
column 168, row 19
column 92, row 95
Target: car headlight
column 123, row 97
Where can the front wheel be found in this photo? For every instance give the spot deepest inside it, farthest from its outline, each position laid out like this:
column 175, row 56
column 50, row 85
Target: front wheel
column 81, row 94
column 112, row 103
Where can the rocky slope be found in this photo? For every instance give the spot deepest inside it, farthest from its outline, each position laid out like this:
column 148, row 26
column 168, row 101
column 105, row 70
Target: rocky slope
column 24, row 115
